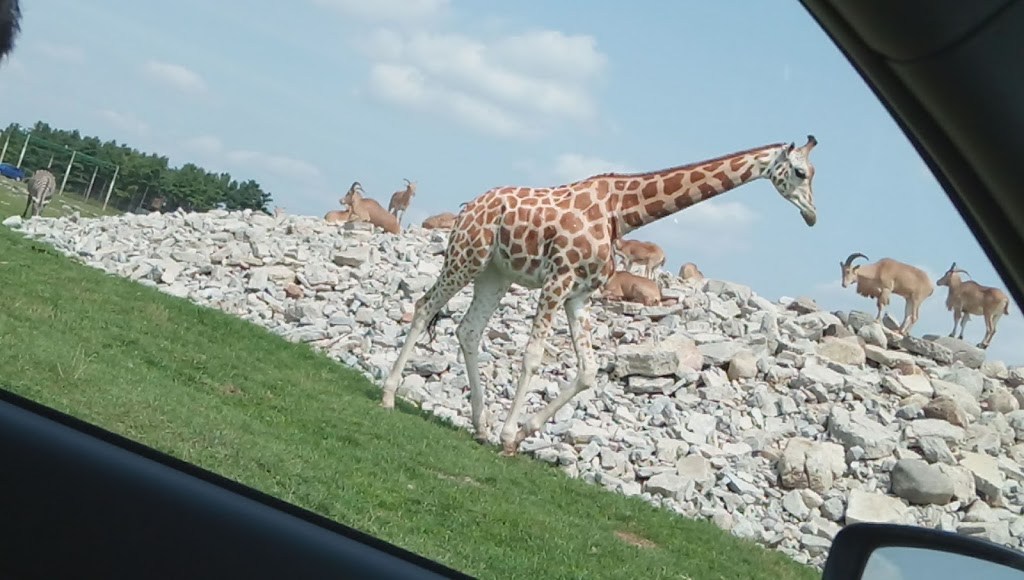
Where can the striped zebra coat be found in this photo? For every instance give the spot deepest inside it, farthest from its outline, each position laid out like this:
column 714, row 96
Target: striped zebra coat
column 40, row 189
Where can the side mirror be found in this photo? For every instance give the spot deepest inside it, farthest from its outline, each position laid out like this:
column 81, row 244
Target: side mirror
column 868, row 551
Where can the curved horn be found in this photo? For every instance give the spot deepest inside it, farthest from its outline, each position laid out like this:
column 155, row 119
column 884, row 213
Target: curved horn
column 852, row 257
column 407, row 182
column 961, row 271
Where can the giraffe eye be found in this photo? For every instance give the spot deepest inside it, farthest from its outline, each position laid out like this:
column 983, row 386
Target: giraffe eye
column 800, row 173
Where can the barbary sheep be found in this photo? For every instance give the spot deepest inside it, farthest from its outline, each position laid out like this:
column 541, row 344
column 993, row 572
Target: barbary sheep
column 367, row 209
column 967, row 298
column 337, row 216
column 646, row 254
column 441, row 221
column 690, row 271
column 629, row 287
column 885, row 277
column 401, row 199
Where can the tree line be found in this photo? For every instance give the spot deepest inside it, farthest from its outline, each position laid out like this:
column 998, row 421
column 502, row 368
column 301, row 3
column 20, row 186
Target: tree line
column 141, row 180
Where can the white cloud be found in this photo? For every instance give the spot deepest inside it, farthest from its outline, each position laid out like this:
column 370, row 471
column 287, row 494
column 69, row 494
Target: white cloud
column 386, row 10
column 125, row 122
column 206, row 145
column 511, row 86
column 176, row 76
column 281, row 165
column 213, row 153
column 571, row 167
column 61, row 52
column 711, row 228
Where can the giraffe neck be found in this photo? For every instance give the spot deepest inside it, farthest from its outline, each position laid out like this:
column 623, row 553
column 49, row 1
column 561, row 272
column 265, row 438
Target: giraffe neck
column 641, row 198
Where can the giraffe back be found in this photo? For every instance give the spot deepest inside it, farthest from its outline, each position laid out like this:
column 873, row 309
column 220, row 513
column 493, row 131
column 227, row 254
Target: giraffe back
column 535, row 235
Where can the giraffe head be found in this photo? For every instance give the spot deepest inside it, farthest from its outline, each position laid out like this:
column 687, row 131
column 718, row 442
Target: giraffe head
column 792, row 174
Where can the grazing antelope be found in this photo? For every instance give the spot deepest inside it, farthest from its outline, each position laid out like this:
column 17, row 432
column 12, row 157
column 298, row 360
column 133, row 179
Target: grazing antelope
column 401, row 199
column 41, row 186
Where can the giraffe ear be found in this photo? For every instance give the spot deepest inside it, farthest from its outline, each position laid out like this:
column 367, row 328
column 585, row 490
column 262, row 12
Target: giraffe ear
column 790, row 147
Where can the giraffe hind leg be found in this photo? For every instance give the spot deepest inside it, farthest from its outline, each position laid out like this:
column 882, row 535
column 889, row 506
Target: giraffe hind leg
column 428, row 307
column 455, row 276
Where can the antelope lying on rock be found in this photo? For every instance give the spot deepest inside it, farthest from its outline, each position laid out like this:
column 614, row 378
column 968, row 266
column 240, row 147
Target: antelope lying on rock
column 401, row 199
column 967, row 298
column 367, row 209
column 637, row 253
column 336, row 216
column 629, row 287
column 885, row 277
column 441, row 221
column 690, row 271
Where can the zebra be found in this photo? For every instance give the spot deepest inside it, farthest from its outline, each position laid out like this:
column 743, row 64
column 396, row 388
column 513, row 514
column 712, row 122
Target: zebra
column 40, row 189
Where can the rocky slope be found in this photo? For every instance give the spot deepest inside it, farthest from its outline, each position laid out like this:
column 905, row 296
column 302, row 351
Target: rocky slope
column 777, row 420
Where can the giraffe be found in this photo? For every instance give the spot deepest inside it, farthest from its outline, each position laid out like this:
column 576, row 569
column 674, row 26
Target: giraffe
column 559, row 240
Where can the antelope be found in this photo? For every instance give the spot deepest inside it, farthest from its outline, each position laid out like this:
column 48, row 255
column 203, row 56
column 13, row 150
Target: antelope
column 690, row 271
column 885, row 277
column 401, row 199
column 337, row 216
column 967, row 298
column 629, row 287
column 635, row 252
column 367, row 209
column 441, row 221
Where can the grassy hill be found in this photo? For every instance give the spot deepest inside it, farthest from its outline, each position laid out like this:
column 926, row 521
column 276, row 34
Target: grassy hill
column 230, row 396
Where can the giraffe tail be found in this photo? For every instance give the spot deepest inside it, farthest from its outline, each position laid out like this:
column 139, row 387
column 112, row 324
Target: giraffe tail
column 431, row 330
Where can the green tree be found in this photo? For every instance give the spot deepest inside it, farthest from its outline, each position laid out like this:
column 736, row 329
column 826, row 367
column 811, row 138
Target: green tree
column 141, row 177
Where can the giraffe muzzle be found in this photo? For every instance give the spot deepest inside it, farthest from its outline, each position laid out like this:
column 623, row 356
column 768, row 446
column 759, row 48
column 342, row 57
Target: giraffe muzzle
column 810, row 217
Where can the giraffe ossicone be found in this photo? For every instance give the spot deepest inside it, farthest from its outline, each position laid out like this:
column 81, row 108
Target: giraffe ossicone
column 559, row 240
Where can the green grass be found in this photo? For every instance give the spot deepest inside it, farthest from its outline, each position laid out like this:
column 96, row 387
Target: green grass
column 229, row 396
column 13, row 198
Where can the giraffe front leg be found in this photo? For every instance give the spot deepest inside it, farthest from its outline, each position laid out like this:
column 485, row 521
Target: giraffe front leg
column 488, row 289
column 586, row 367
column 547, row 304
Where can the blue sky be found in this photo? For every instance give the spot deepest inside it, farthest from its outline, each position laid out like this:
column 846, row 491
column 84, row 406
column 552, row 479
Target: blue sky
column 464, row 96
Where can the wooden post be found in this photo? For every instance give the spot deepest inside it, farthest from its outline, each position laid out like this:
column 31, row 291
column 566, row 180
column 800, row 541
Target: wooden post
column 111, row 188
column 24, row 146
column 66, row 173
column 7, row 142
column 91, row 180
